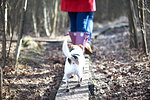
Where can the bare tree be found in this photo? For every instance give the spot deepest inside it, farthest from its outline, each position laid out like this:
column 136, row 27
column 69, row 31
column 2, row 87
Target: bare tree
column 45, row 18
column 4, row 22
column 55, row 18
column 19, row 42
column 132, row 25
column 142, row 24
column 34, row 10
column 11, row 23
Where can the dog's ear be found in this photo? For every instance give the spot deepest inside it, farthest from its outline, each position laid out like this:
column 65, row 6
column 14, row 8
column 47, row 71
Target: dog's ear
column 71, row 46
column 69, row 60
column 81, row 46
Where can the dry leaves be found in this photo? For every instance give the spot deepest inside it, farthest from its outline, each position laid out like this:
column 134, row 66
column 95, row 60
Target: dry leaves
column 39, row 74
column 119, row 73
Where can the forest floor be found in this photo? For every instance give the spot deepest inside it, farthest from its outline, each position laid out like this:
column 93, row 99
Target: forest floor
column 39, row 72
column 118, row 72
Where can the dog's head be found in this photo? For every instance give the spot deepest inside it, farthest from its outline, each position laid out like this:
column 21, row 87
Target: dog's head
column 76, row 52
column 78, row 49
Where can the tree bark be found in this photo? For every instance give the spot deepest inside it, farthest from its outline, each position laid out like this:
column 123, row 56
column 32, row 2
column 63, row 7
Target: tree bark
column 1, row 79
column 12, row 33
column 133, row 25
column 37, row 34
column 19, row 42
column 45, row 18
column 143, row 25
column 55, row 18
column 12, row 24
column 4, row 22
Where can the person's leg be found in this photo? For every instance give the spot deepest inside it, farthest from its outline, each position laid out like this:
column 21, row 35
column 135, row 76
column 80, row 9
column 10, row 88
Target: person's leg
column 82, row 20
column 85, row 24
column 90, row 30
column 72, row 17
column 90, row 24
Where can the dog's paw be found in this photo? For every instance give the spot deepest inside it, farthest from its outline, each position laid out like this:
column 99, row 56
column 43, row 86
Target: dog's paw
column 71, row 76
column 67, row 90
column 81, row 80
column 78, row 85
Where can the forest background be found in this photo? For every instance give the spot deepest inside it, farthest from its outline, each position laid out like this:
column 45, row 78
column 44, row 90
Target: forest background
column 43, row 19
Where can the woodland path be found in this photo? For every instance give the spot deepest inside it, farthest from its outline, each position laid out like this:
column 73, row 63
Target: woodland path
column 117, row 72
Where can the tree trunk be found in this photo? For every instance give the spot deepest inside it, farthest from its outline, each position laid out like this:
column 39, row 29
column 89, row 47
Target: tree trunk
column 4, row 22
column 131, row 31
column 11, row 35
column 4, row 33
column 143, row 25
column 12, row 24
column 1, row 79
column 55, row 18
column 45, row 18
column 133, row 25
column 19, row 42
column 37, row 34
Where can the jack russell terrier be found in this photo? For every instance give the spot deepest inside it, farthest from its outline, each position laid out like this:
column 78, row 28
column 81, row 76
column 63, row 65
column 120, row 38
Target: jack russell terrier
column 74, row 63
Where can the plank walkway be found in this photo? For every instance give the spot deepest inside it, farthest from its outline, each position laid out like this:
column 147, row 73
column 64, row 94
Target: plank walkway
column 75, row 93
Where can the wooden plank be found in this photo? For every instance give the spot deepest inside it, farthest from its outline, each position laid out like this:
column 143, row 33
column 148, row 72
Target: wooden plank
column 41, row 39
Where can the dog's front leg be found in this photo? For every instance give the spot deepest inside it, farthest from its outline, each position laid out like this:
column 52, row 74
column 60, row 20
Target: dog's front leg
column 79, row 81
column 67, row 83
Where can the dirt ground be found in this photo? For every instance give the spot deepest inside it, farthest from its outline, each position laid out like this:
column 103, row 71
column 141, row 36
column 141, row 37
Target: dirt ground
column 118, row 72
column 40, row 71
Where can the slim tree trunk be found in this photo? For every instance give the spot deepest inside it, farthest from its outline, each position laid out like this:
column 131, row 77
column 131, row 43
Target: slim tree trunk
column 131, row 30
column 55, row 18
column 11, row 23
column 1, row 71
column 1, row 79
column 133, row 24
column 143, row 25
column 37, row 34
column 45, row 18
column 4, row 21
column 12, row 33
column 49, row 20
column 5, row 32
column 19, row 42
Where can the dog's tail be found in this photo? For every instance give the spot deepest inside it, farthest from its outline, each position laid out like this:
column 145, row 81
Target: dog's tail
column 67, row 53
column 65, row 49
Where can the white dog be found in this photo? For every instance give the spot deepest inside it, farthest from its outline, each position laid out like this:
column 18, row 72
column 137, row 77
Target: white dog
column 74, row 62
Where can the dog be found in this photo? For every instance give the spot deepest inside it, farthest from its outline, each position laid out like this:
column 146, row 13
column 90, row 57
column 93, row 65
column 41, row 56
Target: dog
column 74, row 63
